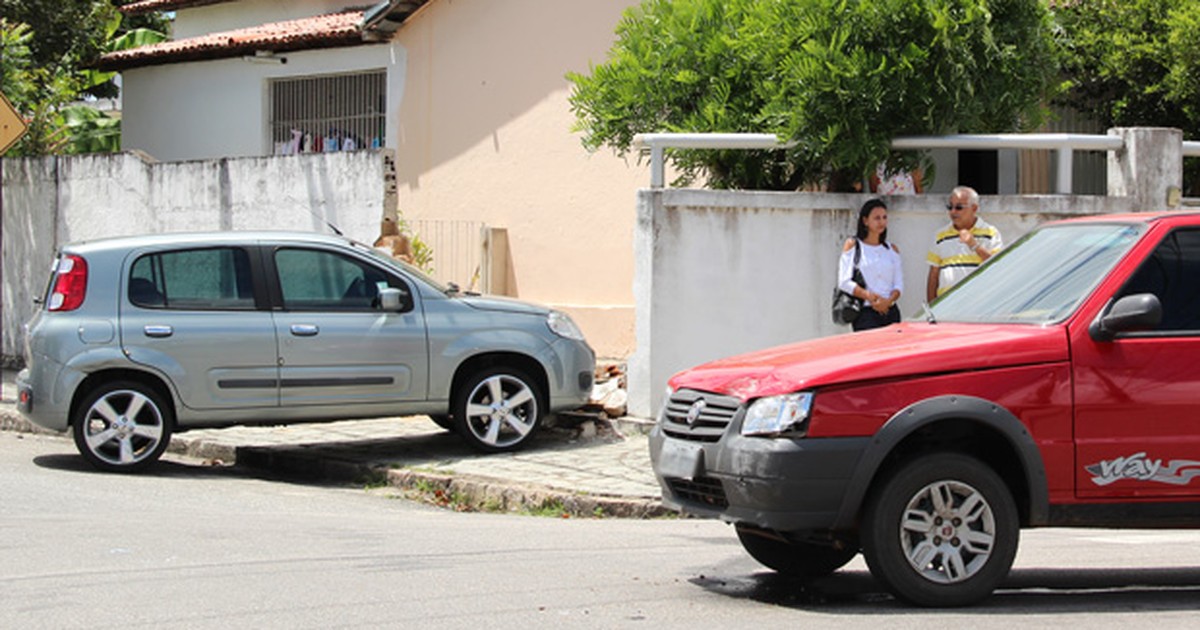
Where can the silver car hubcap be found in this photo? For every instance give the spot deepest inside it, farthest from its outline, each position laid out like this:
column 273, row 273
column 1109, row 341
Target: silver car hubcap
column 947, row 532
column 122, row 428
column 501, row 411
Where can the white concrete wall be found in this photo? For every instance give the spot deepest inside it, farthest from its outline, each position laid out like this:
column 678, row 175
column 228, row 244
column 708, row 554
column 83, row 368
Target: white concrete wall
column 211, row 109
column 720, row 273
column 52, row 201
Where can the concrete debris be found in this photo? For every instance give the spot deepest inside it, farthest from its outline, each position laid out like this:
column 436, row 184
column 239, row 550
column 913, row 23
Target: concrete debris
column 614, row 404
column 608, row 393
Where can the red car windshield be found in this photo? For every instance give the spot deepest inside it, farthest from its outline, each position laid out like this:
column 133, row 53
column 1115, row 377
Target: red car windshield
column 1041, row 278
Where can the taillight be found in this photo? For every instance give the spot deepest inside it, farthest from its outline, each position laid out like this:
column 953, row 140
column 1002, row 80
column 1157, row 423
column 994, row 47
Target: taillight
column 70, row 284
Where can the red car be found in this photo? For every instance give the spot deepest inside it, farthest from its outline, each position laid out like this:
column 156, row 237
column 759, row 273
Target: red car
column 1058, row 386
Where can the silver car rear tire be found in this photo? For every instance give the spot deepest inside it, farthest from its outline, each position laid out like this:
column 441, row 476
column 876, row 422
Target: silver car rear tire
column 122, row 426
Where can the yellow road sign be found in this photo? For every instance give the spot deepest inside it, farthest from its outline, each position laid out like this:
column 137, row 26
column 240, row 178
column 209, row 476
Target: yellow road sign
column 12, row 126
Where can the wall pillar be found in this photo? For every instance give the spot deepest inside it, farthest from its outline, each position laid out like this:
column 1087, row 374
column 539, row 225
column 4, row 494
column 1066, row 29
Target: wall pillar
column 641, row 376
column 1149, row 168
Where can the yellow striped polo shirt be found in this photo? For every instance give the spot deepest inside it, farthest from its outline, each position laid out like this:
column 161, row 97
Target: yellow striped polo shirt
column 954, row 259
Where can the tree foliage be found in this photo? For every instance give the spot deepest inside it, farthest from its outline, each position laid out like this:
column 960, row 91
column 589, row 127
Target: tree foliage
column 1135, row 63
column 65, row 31
column 839, row 78
column 46, row 48
column 37, row 92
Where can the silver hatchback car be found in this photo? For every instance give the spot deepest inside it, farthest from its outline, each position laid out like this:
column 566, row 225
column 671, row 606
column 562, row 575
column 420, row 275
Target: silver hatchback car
column 141, row 337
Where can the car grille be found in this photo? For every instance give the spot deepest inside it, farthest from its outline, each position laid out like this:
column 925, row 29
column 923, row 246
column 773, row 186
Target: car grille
column 698, row 416
column 705, row 491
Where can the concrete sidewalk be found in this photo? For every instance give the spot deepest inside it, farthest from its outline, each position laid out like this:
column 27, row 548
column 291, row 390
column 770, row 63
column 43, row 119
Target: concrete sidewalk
column 585, row 466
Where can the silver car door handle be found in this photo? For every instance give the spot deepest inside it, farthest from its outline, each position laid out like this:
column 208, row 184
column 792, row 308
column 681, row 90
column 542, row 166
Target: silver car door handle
column 157, row 330
column 304, row 330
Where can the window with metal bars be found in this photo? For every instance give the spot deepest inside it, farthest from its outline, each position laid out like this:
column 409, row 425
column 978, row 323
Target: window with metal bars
column 340, row 112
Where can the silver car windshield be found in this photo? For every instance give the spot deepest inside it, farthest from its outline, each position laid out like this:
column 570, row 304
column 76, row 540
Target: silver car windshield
column 1041, row 278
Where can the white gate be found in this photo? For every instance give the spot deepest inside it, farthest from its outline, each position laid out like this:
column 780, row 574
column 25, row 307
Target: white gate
column 456, row 247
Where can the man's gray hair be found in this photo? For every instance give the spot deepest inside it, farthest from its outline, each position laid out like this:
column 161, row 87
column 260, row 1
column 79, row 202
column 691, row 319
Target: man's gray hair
column 972, row 196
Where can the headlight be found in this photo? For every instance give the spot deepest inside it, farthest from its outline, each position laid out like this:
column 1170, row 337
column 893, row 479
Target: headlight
column 563, row 326
column 777, row 414
column 666, row 401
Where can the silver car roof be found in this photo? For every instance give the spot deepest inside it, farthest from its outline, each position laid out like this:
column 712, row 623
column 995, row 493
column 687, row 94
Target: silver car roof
column 204, row 238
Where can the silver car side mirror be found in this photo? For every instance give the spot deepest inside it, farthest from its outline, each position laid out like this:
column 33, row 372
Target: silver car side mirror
column 391, row 299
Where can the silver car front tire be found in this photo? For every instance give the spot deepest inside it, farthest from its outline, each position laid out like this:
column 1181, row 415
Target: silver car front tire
column 497, row 409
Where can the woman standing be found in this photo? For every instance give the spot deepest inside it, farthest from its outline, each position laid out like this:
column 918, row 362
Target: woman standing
column 879, row 264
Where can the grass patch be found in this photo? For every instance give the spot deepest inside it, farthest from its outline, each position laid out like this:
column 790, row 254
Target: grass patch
column 550, row 508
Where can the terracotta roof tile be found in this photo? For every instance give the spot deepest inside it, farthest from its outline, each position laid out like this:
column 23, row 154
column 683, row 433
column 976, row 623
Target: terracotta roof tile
column 149, row 6
column 322, row 31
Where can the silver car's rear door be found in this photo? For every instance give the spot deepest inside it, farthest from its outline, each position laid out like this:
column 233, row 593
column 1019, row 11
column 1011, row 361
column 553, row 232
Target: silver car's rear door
column 192, row 315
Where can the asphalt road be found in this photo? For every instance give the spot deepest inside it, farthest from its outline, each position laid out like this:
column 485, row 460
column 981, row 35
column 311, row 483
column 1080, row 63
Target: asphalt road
column 196, row 546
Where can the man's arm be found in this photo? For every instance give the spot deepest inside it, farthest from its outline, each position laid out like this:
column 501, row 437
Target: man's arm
column 931, row 284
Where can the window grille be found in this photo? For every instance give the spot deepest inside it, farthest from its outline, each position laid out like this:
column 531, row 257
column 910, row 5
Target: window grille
column 328, row 113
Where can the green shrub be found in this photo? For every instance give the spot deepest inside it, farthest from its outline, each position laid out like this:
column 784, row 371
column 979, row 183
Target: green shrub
column 840, row 78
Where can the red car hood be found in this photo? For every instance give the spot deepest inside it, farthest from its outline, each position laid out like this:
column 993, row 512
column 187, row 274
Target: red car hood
column 907, row 349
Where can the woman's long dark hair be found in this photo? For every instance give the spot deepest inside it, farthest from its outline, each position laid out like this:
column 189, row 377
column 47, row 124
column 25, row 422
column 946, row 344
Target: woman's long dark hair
column 865, row 212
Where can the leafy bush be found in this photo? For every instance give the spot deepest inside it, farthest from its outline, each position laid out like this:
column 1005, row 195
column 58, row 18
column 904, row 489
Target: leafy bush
column 840, row 78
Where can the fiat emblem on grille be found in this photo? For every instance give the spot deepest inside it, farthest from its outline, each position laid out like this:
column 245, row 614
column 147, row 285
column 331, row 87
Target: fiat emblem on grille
column 694, row 411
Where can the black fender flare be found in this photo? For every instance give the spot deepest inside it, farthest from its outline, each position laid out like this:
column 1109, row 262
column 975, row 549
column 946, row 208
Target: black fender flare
column 931, row 410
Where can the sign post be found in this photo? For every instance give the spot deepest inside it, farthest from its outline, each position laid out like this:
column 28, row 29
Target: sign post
column 12, row 126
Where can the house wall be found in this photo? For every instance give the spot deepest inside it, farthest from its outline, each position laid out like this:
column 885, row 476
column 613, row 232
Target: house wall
column 220, row 108
column 55, row 200
column 485, row 135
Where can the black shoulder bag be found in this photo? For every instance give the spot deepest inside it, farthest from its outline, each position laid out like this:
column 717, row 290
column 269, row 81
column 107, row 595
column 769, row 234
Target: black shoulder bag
column 846, row 307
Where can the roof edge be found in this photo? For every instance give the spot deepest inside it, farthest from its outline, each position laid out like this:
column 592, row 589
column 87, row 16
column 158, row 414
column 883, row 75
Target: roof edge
column 150, row 6
column 334, row 30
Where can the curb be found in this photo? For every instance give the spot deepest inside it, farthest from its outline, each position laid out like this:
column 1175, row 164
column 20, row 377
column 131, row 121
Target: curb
column 459, row 492
column 452, row 491
column 480, row 494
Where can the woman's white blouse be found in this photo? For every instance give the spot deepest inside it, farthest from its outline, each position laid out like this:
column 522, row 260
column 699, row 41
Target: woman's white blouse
column 880, row 267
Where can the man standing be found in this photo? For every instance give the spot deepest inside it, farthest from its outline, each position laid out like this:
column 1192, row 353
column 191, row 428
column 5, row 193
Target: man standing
column 962, row 245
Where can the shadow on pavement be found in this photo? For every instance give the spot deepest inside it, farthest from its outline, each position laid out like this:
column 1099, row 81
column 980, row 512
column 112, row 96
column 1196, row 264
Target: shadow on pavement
column 1025, row 591
column 163, row 468
column 349, row 459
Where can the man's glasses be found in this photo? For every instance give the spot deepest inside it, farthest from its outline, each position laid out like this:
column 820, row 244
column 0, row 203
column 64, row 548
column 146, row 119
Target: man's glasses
column 957, row 206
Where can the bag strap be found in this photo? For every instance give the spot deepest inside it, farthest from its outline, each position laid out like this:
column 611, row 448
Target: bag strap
column 856, row 275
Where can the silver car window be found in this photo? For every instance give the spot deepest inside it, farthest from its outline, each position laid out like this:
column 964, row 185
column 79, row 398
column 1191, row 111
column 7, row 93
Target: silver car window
column 312, row 279
column 196, row 279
